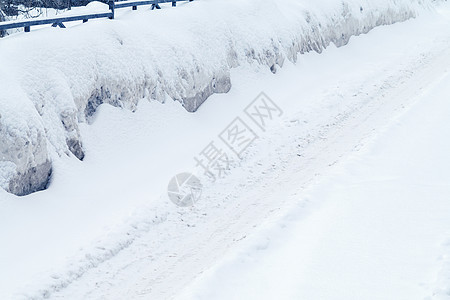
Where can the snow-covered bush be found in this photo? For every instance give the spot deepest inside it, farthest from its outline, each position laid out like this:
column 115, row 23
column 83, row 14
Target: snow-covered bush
column 52, row 80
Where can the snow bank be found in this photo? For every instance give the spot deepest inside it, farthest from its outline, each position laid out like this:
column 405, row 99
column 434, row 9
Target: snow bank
column 53, row 79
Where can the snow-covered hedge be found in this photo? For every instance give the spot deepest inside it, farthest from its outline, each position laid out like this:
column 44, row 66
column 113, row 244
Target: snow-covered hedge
column 53, row 79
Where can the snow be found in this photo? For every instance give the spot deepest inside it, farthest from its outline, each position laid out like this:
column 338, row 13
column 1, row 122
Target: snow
column 105, row 228
column 183, row 54
column 374, row 229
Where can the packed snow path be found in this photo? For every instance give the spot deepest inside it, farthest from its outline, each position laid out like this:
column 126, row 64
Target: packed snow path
column 337, row 105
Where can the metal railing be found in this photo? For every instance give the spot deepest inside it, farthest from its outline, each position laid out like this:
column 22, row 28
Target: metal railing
column 59, row 21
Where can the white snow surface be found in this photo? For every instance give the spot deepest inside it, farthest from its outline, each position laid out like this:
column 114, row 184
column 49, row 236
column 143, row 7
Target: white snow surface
column 377, row 227
column 105, row 228
column 54, row 79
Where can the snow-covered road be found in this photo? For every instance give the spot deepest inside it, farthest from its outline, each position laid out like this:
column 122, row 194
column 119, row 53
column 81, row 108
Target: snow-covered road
column 351, row 170
column 378, row 227
column 383, row 208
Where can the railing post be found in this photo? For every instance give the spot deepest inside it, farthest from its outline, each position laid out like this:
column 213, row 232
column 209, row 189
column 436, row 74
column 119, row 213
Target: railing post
column 2, row 32
column 112, row 5
column 156, row 5
column 58, row 24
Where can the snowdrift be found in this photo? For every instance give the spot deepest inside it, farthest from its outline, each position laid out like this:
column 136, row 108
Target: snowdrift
column 53, row 79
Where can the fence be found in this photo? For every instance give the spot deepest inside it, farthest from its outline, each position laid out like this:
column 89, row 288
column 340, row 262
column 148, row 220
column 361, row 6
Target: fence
column 59, row 21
